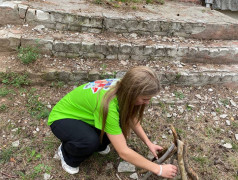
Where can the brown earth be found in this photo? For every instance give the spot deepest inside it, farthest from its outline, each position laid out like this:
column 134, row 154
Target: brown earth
column 204, row 135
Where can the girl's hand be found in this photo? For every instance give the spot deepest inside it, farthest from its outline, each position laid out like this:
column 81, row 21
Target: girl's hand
column 154, row 148
column 169, row 171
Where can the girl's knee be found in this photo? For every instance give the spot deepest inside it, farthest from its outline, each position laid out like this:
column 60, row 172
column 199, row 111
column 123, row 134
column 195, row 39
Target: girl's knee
column 79, row 148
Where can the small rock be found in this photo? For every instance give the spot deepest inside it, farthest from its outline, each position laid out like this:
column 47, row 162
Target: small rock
column 236, row 136
column 232, row 103
column 124, row 63
column 223, row 116
column 227, row 145
column 126, row 167
column 37, row 129
column 133, row 35
column 39, row 28
column 213, row 113
column 216, row 118
column 109, row 166
column 134, row 176
column 169, row 115
column 14, row 130
column 228, row 123
column 210, row 89
column 46, row 176
column 164, row 136
column 198, row 96
column 180, row 109
column 16, row 143
column 48, row 106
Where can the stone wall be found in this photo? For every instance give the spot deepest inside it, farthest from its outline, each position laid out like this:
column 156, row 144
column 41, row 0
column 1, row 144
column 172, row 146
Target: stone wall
column 226, row 5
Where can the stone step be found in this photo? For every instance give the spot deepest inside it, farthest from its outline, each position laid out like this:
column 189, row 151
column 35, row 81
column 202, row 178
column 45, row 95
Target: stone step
column 112, row 46
column 170, row 19
column 78, row 70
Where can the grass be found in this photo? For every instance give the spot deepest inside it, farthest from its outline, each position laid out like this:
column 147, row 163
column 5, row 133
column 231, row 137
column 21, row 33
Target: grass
column 179, row 95
column 6, row 154
column 14, row 79
column 35, row 107
column 3, row 107
column 225, row 102
column 28, row 54
column 201, row 160
column 4, row 91
column 57, row 84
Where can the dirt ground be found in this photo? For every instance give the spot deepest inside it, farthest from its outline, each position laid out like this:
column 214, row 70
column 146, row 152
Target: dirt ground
column 199, row 114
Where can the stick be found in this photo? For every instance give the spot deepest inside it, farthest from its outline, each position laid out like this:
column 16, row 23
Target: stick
column 191, row 174
column 180, row 160
column 118, row 176
column 160, row 160
column 9, row 176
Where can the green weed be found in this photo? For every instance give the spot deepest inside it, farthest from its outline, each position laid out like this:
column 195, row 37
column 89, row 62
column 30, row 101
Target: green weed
column 14, row 79
column 98, row 1
column 235, row 146
column 39, row 169
column 33, row 156
column 209, row 131
column 201, row 160
column 36, row 108
column 188, row 107
column 28, row 54
column 50, row 143
column 3, row 107
column 4, row 92
column 225, row 101
column 6, row 154
column 179, row 95
column 57, row 84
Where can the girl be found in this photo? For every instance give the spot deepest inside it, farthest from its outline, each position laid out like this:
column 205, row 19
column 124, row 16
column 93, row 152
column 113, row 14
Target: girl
column 95, row 114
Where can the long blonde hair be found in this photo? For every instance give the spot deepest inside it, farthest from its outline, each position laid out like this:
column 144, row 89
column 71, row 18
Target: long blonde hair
column 138, row 81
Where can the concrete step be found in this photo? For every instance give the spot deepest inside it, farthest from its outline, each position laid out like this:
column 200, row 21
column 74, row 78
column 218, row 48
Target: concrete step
column 170, row 19
column 78, row 70
column 112, row 46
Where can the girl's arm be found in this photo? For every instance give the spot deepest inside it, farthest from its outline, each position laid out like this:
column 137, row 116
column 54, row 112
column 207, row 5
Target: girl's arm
column 137, row 128
column 120, row 145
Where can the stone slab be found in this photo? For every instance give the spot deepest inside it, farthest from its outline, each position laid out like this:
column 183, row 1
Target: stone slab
column 185, row 21
column 88, row 45
column 231, row 5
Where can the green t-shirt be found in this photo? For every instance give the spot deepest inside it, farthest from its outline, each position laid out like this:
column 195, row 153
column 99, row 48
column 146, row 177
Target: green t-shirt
column 83, row 103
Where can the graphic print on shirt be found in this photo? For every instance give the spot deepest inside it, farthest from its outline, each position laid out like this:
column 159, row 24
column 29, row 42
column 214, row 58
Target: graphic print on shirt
column 99, row 84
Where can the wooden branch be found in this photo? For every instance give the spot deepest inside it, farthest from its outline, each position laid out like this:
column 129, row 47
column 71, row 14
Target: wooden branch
column 191, row 174
column 180, row 160
column 176, row 136
column 9, row 176
column 166, row 155
column 118, row 176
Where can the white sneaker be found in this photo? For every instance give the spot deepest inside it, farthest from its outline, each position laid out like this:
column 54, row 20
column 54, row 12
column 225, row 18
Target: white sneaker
column 106, row 151
column 66, row 167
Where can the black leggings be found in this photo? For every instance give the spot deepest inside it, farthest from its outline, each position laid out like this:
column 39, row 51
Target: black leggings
column 79, row 140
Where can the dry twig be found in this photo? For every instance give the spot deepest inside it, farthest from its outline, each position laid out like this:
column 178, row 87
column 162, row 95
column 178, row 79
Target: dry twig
column 180, row 160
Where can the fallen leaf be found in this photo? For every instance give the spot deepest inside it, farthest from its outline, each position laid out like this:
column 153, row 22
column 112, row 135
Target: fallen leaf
column 12, row 160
